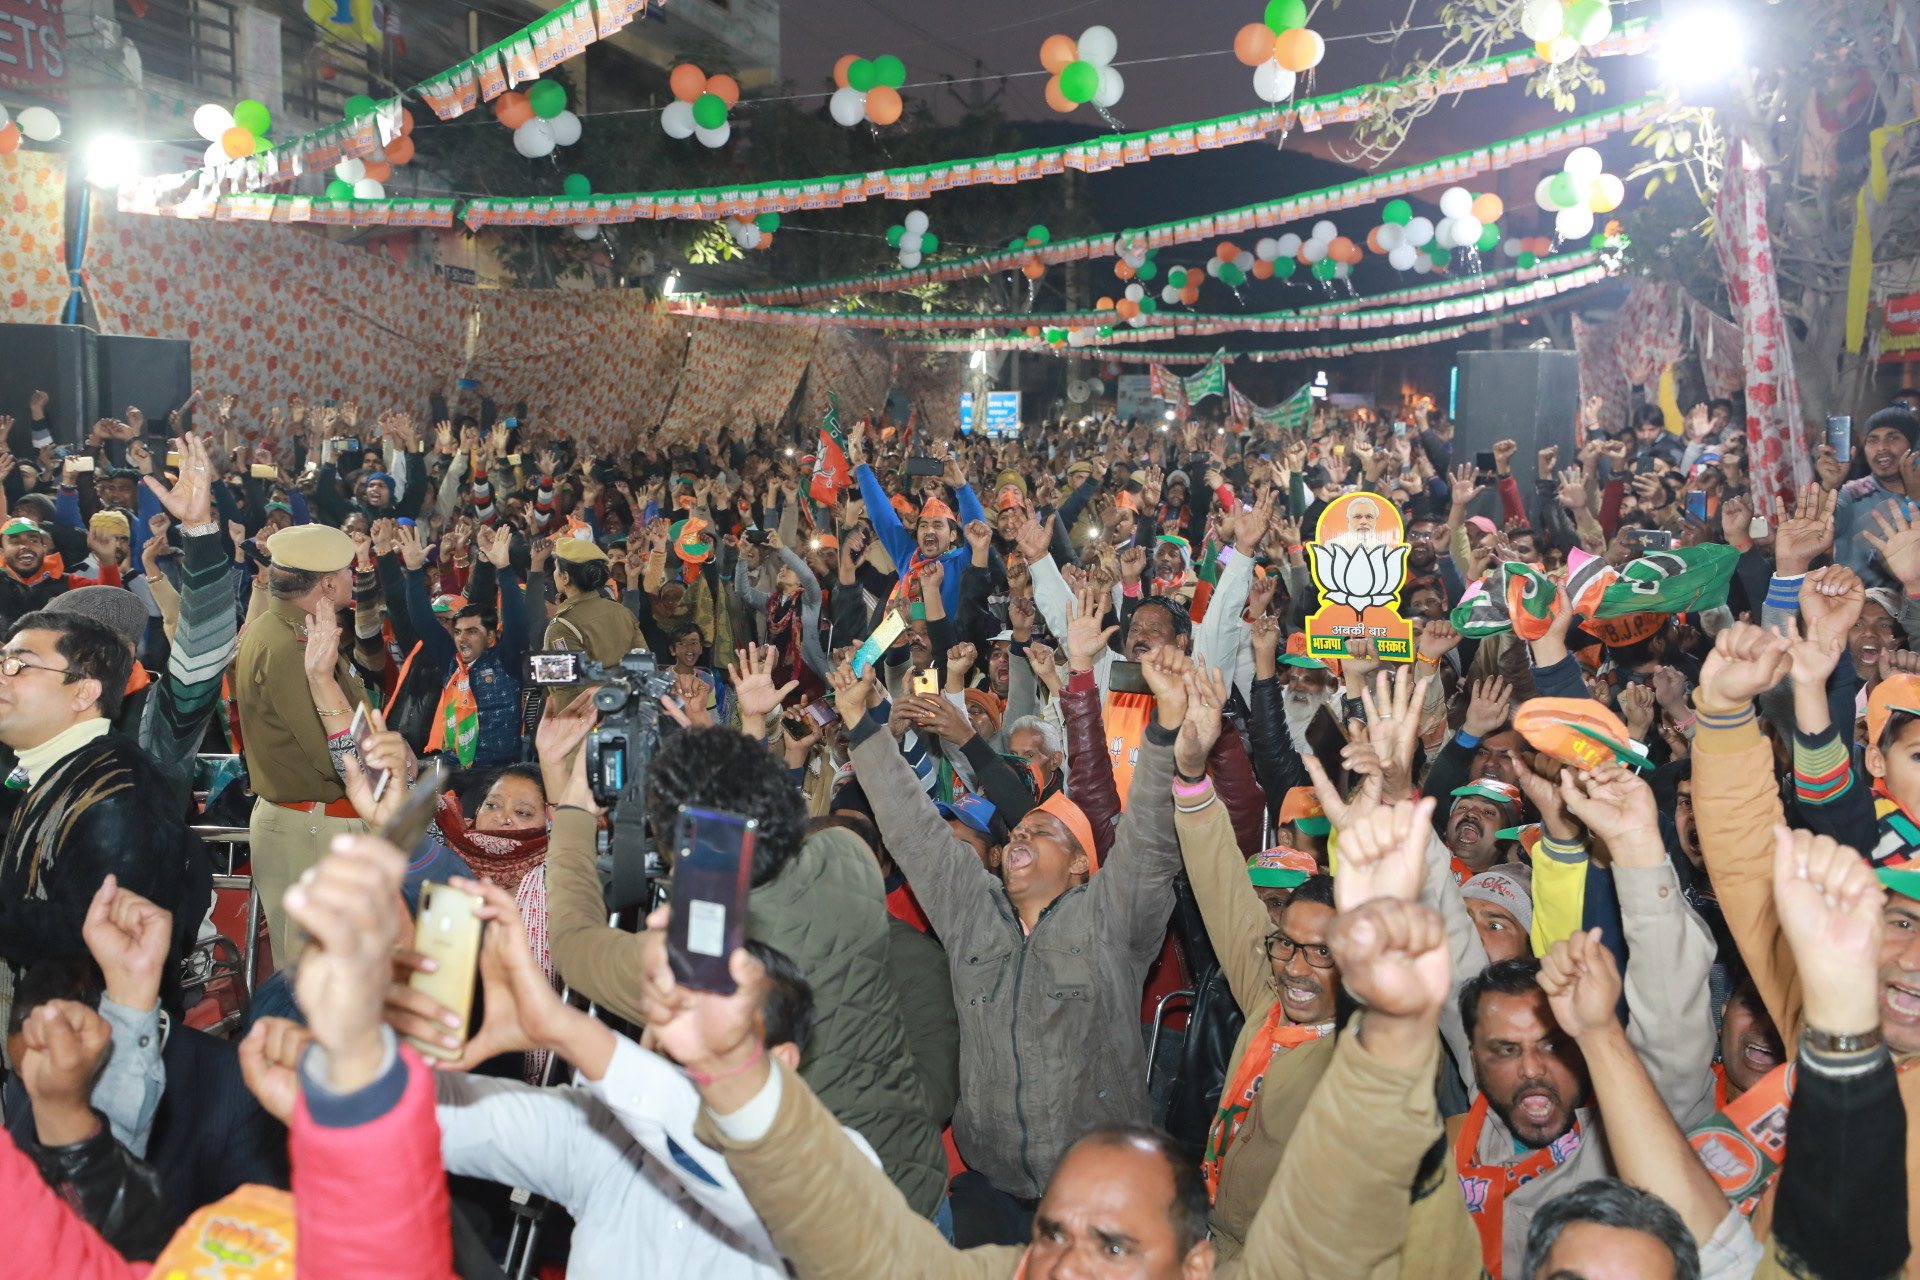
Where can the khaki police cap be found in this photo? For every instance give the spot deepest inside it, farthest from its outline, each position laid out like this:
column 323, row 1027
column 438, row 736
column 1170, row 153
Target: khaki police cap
column 313, row 548
column 577, row 550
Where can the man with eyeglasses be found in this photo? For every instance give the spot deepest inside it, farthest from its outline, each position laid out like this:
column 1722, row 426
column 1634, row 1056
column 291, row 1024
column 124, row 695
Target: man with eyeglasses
column 84, row 803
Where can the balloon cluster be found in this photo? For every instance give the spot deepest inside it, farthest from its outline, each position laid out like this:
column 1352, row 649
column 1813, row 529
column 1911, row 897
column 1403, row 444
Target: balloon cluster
column 869, row 89
column 1279, row 48
column 754, row 233
column 1036, row 236
column 366, row 178
column 1075, row 336
column 231, row 134
column 539, row 118
column 1134, row 306
column 912, row 239
column 1136, row 260
column 37, row 123
column 1468, row 221
column 1560, row 30
column 1326, row 253
column 578, row 187
column 1403, row 238
column 700, row 106
column 1183, row 286
column 1527, row 250
column 1577, row 192
column 1082, row 69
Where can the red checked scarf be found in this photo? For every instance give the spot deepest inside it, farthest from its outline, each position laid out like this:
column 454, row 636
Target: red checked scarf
column 504, row 857
column 1486, row 1186
column 1274, row 1035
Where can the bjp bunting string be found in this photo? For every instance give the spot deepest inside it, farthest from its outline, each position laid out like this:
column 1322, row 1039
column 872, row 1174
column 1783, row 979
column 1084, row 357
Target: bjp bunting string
column 1359, row 562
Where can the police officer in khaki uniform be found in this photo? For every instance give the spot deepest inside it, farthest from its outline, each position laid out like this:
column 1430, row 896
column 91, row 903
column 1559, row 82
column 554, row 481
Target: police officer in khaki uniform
column 587, row 621
column 284, row 728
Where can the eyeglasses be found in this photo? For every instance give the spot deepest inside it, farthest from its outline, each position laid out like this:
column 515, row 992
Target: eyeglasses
column 1281, row 949
column 12, row 664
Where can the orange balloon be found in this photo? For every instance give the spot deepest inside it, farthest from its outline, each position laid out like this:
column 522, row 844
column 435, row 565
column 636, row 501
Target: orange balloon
column 1253, row 43
column 1373, row 240
column 1122, row 270
column 512, row 109
column 726, row 88
column 406, row 124
column 1488, row 207
column 883, row 104
column 1226, row 251
column 1299, row 49
column 1340, row 247
column 688, row 82
column 1033, row 331
column 1103, row 304
column 1057, row 51
column 237, row 142
column 379, row 170
column 9, row 138
column 1190, row 294
column 1127, row 309
column 1355, row 254
column 840, row 69
column 766, row 240
column 1263, row 270
column 1056, row 99
column 1034, row 270
column 400, row 150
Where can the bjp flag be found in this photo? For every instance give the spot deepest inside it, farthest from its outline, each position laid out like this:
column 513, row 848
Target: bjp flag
column 357, row 20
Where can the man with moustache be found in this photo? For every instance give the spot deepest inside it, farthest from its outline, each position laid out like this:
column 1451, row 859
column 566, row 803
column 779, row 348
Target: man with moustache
column 1308, row 686
column 1481, row 811
column 1887, row 444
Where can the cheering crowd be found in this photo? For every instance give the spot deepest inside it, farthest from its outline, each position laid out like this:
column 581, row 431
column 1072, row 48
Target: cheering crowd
column 1103, row 920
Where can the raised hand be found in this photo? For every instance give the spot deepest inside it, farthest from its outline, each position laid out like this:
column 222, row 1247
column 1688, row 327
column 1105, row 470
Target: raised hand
column 1133, row 564
column 1165, row 670
column 1831, row 599
column 1392, row 708
column 1206, row 691
column 1746, row 662
column 1085, row 636
column 960, row 660
column 62, row 1044
column 1489, row 708
column 1807, row 533
column 497, row 545
column 1636, row 706
column 1582, row 984
column 1618, row 806
column 692, row 691
column 128, row 937
column 323, row 645
column 1898, row 543
column 1392, row 956
column 270, row 1064
column 1831, row 908
column 346, row 905
column 1503, row 451
column 979, row 540
column 1035, row 538
column 413, row 552
column 853, row 695
column 752, row 677
column 1383, row 853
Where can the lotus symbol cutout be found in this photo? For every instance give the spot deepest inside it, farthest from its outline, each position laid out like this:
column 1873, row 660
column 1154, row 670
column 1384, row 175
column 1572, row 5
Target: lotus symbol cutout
column 1360, row 576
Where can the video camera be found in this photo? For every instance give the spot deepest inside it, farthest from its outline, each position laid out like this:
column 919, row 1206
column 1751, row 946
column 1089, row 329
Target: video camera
column 619, row 750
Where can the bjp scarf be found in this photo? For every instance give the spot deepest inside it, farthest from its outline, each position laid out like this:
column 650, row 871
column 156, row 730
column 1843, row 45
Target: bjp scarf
column 1743, row 1143
column 504, row 857
column 1274, row 1035
column 456, row 721
column 1486, row 1186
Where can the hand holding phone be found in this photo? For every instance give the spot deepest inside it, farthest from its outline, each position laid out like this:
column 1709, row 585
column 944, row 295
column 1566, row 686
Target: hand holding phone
column 447, row 932
column 712, row 864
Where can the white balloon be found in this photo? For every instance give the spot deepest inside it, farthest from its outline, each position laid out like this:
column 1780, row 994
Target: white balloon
column 1466, row 231
column 1542, row 20
column 848, row 106
column 1213, row 267
column 350, row 170
column 1418, row 231
column 916, row 221
column 1422, row 264
column 1169, row 295
column 677, row 119
column 1313, row 251
column 715, row 138
column 210, row 120
column 1244, row 260
column 1511, row 247
column 1136, row 291
column 1391, row 236
column 1272, row 82
column 1342, row 270
column 39, row 124
column 1098, row 45
column 369, row 189
column 749, row 236
column 534, row 139
column 1582, row 190
column 1572, row 224
column 1443, row 234
column 1543, row 194
column 909, row 258
column 1112, row 85
column 215, row 157
column 1456, row 202
column 1289, row 245
column 566, row 129
column 1267, row 249
column 1324, row 231
column 1584, row 162
column 1402, row 257
column 587, row 230
column 912, row 242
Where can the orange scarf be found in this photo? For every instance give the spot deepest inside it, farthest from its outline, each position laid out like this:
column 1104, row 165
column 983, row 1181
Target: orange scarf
column 1486, row 1186
column 137, row 679
column 1236, row 1102
column 1744, row 1141
column 456, row 721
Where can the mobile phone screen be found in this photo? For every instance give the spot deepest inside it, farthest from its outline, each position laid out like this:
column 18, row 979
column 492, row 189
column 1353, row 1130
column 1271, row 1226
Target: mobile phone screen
column 713, row 856
column 1483, row 462
column 446, row 930
column 361, row 731
column 553, row 668
column 1697, row 504
column 404, row 829
column 1840, row 436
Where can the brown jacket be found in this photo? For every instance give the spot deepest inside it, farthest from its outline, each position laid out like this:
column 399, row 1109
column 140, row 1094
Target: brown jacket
column 1345, row 1205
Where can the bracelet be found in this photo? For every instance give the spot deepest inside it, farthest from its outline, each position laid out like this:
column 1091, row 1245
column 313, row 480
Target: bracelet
column 759, row 1052
column 1186, row 787
column 1840, row 1042
column 328, row 711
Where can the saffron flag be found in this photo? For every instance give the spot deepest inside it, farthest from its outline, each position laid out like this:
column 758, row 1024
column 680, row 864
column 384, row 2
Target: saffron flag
column 831, row 473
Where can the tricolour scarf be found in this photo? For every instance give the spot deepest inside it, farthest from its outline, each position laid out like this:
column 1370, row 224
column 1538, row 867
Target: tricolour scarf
column 1486, row 1186
column 1274, row 1035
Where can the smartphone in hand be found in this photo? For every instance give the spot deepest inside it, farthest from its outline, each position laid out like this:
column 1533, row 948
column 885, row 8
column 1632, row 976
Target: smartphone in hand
column 712, row 864
column 447, row 931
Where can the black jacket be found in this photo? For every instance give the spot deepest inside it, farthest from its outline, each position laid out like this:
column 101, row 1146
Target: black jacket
column 116, row 1192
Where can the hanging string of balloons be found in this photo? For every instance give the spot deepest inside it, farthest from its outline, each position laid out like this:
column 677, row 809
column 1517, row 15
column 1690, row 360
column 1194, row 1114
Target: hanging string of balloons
column 1560, row 30
column 912, row 239
column 869, row 89
column 232, row 135
column 754, row 233
column 700, row 106
column 1083, row 71
column 1036, row 236
column 1136, row 260
column 1279, row 49
column 1577, row 192
column 1134, row 306
column 539, row 118
column 1182, row 287
column 365, row 178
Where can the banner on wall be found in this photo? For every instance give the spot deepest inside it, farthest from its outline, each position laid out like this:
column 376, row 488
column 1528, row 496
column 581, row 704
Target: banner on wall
column 1002, row 416
column 33, row 48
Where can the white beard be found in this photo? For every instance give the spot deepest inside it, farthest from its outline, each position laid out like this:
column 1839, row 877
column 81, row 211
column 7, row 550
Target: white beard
column 1300, row 709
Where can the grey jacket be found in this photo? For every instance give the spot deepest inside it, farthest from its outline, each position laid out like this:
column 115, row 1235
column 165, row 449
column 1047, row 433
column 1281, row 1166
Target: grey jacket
column 1050, row 1039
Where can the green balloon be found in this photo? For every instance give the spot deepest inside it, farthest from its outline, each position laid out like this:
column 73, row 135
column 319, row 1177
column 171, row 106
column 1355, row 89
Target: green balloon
column 358, row 105
column 1018, row 242
column 1588, row 21
column 1489, row 237
column 1285, row 15
column 889, row 71
column 1231, row 274
column 768, row 222
column 548, row 98
column 1323, row 269
column 1438, row 256
column 1039, row 233
column 1056, row 335
column 252, row 116
column 1528, row 260
column 339, row 190
column 862, row 74
column 577, row 186
column 1285, row 267
column 1104, row 331
column 1599, row 240
column 1079, row 81
column 709, row 111
column 928, row 242
column 1147, row 270
column 1177, row 277
column 1398, row 212
column 1149, row 304
column 1563, row 190
column 893, row 236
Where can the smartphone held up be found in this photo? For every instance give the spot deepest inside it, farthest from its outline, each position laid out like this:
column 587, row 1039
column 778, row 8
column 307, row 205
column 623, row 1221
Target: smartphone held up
column 712, row 866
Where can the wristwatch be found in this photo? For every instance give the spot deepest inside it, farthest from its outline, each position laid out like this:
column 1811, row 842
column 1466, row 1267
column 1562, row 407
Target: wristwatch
column 1849, row 1042
column 199, row 530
